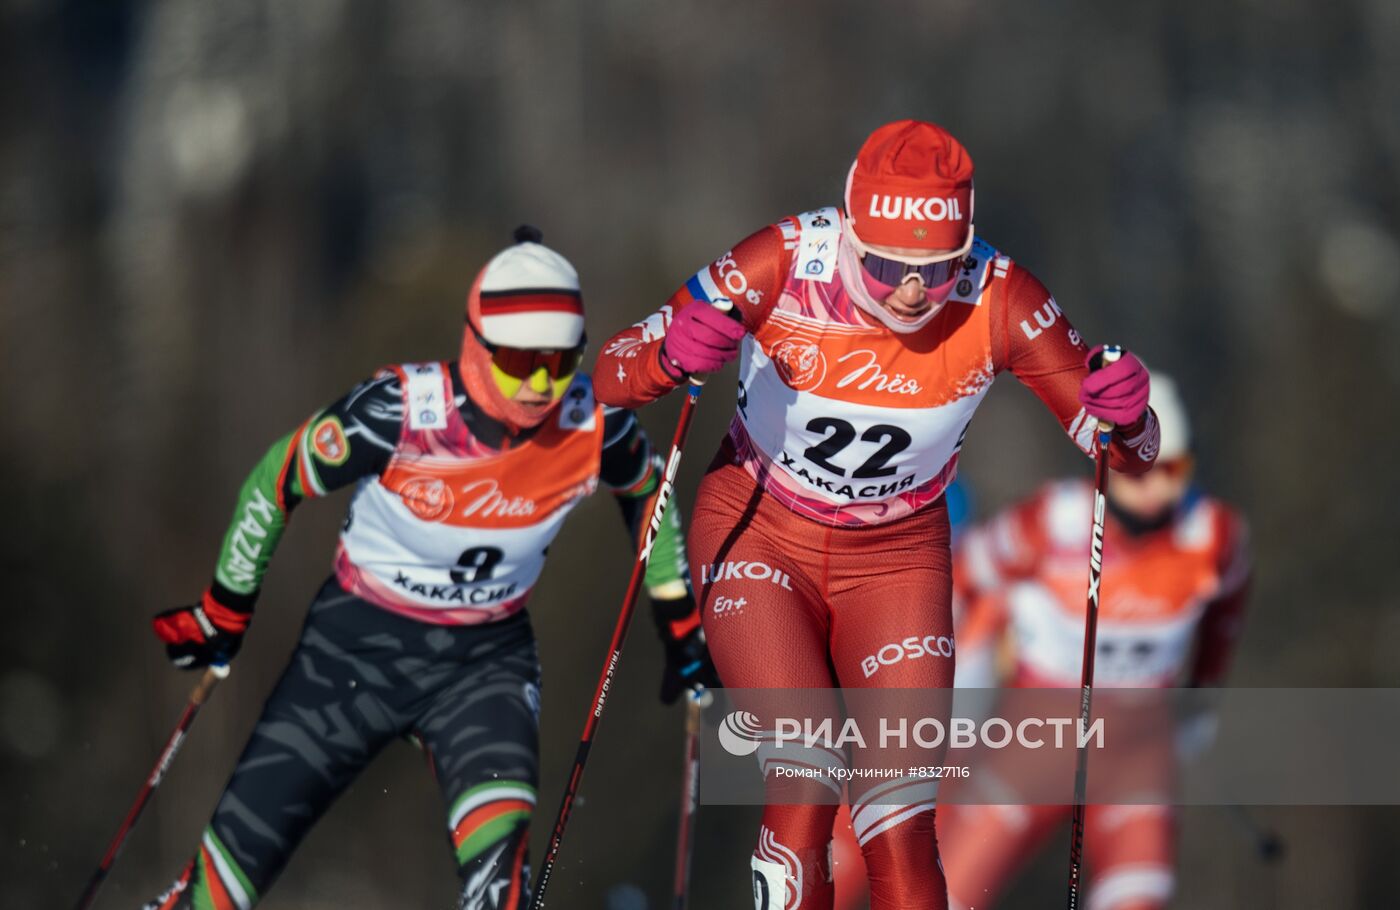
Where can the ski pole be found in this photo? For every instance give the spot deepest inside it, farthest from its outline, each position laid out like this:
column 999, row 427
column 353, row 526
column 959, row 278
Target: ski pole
column 198, row 697
column 1091, row 627
column 690, row 782
column 619, row 636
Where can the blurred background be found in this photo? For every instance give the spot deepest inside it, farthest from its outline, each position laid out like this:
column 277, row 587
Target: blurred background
column 215, row 217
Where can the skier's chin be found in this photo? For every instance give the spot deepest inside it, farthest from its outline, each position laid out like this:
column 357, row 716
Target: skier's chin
column 907, row 315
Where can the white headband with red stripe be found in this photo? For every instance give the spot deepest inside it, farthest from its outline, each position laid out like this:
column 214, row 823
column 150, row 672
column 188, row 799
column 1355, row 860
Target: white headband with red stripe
column 529, row 298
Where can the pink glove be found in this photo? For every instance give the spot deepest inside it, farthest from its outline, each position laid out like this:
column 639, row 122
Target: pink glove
column 701, row 339
column 1116, row 392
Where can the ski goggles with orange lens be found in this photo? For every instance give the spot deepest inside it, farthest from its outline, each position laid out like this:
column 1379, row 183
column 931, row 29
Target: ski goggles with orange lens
column 545, row 370
column 1175, row 468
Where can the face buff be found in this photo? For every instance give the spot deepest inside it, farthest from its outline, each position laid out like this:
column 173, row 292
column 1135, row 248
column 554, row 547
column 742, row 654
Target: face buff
column 869, row 293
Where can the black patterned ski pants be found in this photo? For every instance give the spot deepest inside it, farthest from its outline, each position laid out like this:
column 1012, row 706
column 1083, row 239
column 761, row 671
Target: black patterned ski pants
column 360, row 678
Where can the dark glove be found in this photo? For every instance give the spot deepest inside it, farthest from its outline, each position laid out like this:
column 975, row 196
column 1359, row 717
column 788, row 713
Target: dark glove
column 688, row 664
column 202, row 634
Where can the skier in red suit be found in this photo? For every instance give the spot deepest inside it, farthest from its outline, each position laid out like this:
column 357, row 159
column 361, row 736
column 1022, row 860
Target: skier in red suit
column 867, row 336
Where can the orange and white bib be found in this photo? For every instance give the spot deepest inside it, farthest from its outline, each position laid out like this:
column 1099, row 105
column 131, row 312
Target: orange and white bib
column 453, row 531
column 1154, row 595
column 843, row 420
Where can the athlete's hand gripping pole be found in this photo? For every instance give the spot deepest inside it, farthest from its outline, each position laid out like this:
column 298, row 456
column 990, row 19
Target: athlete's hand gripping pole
column 1091, row 626
column 695, row 703
column 202, row 690
column 629, row 601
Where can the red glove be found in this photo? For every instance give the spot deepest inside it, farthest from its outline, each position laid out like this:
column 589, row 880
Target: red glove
column 1116, row 392
column 701, row 339
column 206, row 633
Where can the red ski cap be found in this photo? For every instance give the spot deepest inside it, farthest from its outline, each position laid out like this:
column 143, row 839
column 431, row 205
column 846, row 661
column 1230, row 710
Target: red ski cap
column 911, row 187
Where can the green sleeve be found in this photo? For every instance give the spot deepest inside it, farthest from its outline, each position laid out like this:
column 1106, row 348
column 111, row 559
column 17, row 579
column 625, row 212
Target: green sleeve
column 352, row 438
column 667, row 572
column 264, row 503
column 632, row 470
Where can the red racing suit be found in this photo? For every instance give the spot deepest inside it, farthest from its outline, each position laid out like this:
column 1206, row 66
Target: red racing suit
column 1172, row 605
column 820, row 534
column 1172, row 610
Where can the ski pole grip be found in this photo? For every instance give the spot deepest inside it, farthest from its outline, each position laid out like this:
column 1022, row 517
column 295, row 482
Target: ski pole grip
column 1111, row 353
column 211, row 678
column 724, row 305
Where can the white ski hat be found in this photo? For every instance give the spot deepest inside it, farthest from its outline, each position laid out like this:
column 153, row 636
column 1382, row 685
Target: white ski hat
column 528, row 297
column 1171, row 418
